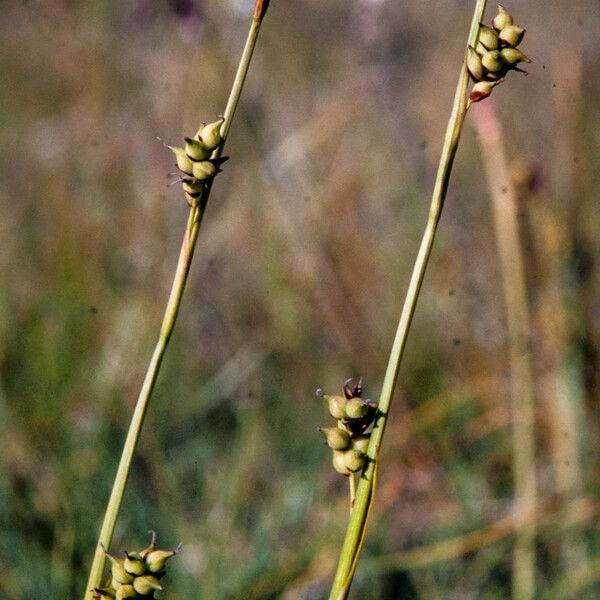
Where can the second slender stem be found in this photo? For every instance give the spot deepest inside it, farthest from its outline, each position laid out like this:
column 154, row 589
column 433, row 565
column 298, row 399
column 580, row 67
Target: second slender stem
column 364, row 494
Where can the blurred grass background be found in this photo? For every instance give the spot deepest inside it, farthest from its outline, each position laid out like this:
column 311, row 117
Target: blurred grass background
column 298, row 280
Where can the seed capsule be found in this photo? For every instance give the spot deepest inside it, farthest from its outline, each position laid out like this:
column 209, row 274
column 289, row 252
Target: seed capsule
column 117, row 570
column 492, row 61
column 196, row 150
column 336, row 405
column 126, row 591
column 337, row 438
column 146, row 584
column 512, row 56
column 156, row 560
column 204, row 170
column 211, row 134
column 360, row 444
column 192, row 186
column 183, row 160
column 502, row 19
column 356, row 409
column 474, row 65
column 488, row 38
column 354, row 460
column 339, row 462
column 482, row 90
column 512, row 35
column 134, row 564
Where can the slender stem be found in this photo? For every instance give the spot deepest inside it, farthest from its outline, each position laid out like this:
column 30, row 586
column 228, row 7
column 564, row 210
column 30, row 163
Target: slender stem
column 170, row 316
column 358, row 518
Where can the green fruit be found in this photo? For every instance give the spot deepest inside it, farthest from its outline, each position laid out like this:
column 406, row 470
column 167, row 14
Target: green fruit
column 360, row 444
column 157, row 559
column 474, row 64
column 146, row 584
column 339, row 462
column 488, row 38
column 192, row 187
column 183, row 160
column 356, row 408
column 354, row 461
column 502, row 19
column 512, row 56
column 337, row 438
column 211, row 134
column 196, row 150
column 481, row 90
column 118, row 572
column 134, row 564
column 126, row 591
column 492, row 61
column 336, row 405
column 204, row 170
column 512, row 35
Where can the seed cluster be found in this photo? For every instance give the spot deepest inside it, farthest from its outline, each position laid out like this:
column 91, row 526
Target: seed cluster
column 495, row 55
column 349, row 440
column 137, row 575
column 195, row 162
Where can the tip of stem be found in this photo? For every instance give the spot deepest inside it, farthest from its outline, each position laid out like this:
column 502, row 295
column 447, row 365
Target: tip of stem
column 260, row 9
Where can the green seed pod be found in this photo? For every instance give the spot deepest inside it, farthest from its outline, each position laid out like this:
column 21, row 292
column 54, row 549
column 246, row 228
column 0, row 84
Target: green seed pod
column 474, row 65
column 117, row 570
column 337, row 438
column 482, row 90
column 211, row 134
column 146, row 584
column 156, row 560
column 512, row 56
column 488, row 38
column 196, row 150
column 204, row 170
column 512, row 35
column 356, row 408
column 134, row 564
column 192, row 187
column 502, row 19
column 104, row 593
column 183, row 160
column 354, row 460
column 492, row 61
column 336, row 405
column 339, row 462
column 126, row 591
column 360, row 444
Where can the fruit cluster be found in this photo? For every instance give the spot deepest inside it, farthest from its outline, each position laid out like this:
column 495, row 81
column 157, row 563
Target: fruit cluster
column 137, row 575
column 495, row 55
column 349, row 440
column 195, row 162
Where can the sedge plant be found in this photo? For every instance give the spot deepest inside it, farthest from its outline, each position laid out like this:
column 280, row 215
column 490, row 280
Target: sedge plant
column 199, row 164
column 490, row 54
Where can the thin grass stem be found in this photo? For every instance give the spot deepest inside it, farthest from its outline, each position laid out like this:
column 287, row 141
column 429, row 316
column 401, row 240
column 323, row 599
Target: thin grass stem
column 183, row 266
column 364, row 495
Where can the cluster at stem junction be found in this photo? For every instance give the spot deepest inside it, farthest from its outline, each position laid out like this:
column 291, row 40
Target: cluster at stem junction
column 137, row 574
column 349, row 439
column 495, row 55
column 197, row 161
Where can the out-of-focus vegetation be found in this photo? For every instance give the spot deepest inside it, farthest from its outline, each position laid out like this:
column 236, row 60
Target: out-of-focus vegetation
column 300, row 271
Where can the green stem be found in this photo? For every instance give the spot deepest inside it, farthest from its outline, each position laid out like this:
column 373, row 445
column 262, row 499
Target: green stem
column 170, row 316
column 358, row 518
